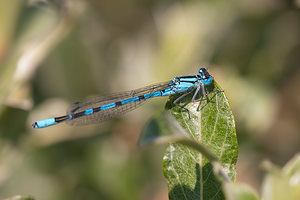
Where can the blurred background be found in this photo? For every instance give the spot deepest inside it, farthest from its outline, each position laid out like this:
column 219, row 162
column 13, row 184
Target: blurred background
column 54, row 52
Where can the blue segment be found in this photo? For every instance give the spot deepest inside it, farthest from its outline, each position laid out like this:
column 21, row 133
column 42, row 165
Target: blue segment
column 208, row 81
column 111, row 105
column 192, row 80
column 147, row 96
column 157, row 94
column 168, row 92
column 130, row 100
column 44, row 123
column 100, row 109
column 184, row 85
column 89, row 111
column 154, row 94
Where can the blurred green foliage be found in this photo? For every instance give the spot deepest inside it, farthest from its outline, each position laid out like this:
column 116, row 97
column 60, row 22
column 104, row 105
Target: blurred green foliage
column 55, row 52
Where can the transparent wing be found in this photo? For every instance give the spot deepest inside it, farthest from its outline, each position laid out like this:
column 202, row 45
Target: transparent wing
column 107, row 114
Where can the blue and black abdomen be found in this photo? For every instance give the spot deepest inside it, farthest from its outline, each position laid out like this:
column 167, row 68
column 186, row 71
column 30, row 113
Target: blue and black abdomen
column 99, row 109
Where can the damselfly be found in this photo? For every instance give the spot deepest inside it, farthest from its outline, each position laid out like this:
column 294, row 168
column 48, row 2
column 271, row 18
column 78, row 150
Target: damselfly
column 97, row 109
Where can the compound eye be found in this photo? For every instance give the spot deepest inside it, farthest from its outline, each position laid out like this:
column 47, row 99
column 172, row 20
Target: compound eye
column 202, row 70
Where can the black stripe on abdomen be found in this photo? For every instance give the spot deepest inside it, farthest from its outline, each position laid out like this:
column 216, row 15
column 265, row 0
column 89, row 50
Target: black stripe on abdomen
column 141, row 97
column 79, row 114
column 62, row 118
column 118, row 103
column 96, row 109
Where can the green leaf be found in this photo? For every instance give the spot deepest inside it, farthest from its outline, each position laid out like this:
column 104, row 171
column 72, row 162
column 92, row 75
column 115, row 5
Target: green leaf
column 235, row 191
column 282, row 183
column 190, row 174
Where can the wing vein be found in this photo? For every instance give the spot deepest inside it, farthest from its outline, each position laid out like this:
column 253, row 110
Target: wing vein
column 102, row 115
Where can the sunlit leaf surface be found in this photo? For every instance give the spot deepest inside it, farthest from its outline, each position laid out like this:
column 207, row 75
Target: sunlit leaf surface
column 190, row 175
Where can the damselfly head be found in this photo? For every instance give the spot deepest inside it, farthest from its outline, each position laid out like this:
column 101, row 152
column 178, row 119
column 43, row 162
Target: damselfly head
column 205, row 76
column 204, row 73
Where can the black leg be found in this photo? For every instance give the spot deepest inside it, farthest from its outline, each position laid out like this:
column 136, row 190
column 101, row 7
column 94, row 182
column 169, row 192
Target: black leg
column 179, row 98
column 195, row 94
column 194, row 97
column 205, row 94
